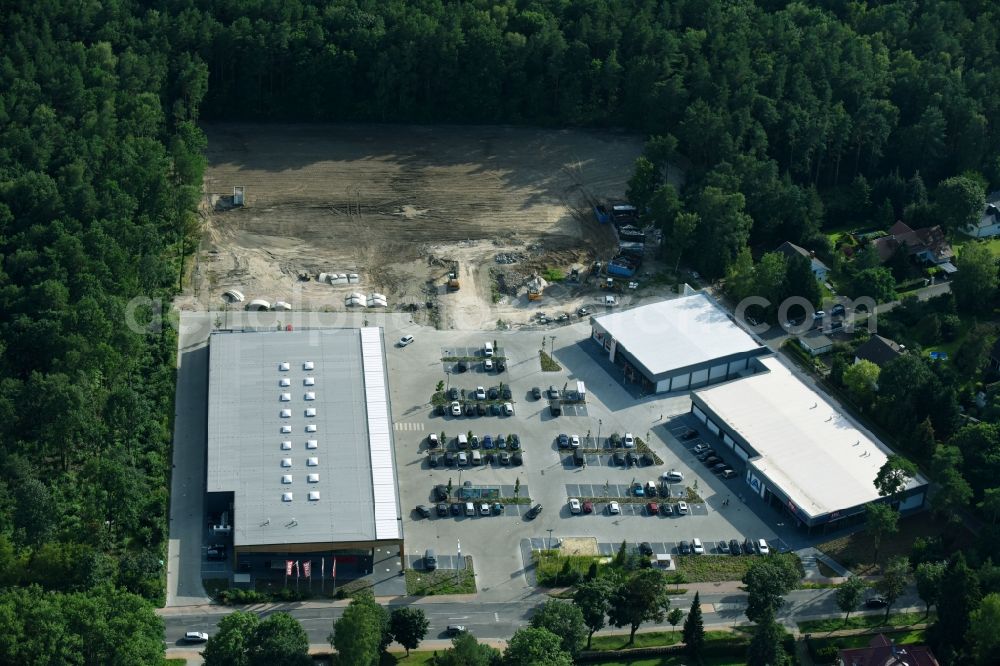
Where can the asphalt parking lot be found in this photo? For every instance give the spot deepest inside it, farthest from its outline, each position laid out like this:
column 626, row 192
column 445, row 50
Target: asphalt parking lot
column 549, row 474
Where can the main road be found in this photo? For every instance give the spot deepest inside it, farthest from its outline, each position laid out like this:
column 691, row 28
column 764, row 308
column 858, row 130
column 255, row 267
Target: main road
column 500, row 619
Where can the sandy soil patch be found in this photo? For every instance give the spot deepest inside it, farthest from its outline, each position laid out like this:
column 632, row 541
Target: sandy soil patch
column 396, row 204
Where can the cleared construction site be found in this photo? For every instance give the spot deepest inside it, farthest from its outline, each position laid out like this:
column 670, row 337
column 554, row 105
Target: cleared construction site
column 401, row 207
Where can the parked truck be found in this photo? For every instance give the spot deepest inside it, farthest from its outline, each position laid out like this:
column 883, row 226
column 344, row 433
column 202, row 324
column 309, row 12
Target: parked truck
column 453, row 283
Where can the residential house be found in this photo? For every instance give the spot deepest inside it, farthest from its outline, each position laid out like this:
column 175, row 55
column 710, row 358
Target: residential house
column 883, row 652
column 927, row 245
column 989, row 222
column 816, row 343
column 819, row 269
column 878, row 350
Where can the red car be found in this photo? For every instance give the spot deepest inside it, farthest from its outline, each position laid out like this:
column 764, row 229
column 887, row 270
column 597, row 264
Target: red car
column 588, row 507
column 653, row 508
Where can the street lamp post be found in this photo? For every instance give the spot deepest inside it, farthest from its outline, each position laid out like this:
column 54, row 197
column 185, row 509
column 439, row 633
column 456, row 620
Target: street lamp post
column 448, row 375
column 550, row 538
column 599, row 424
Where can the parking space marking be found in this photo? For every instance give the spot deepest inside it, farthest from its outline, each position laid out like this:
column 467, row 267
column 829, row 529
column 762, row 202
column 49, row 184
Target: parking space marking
column 408, row 426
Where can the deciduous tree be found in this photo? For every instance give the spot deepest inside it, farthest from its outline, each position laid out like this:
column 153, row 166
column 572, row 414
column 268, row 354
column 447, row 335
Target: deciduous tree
column 533, row 646
column 359, row 634
column 640, row 598
column 928, row 576
column 563, row 619
column 881, row 520
column 895, row 576
column 849, row 595
column 592, row 598
column 767, row 581
column 408, row 626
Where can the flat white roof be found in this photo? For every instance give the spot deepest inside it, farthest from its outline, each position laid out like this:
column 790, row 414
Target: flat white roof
column 263, row 450
column 678, row 333
column 814, row 453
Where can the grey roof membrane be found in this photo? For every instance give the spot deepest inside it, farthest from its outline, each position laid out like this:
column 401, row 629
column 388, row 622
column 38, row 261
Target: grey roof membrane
column 245, row 436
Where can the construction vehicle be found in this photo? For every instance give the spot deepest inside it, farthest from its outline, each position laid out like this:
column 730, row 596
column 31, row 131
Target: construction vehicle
column 535, row 287
column 453, row 283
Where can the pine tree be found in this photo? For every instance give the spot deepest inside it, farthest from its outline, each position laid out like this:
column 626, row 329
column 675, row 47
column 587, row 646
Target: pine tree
column 694, row 631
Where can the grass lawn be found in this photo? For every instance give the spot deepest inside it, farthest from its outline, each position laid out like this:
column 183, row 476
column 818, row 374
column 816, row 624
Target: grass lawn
column 676, row 660
column 442, row 581
column 864, row 622
column 714, row 568
column 855, row 551
column 174, row 662
column 548, row 564
column 548, row 363
column 915, row 637
column 416, row 658
column 653, row 639
column 992, row 244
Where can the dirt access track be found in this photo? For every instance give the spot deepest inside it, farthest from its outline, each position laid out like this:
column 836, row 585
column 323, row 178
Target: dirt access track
column 395, row 204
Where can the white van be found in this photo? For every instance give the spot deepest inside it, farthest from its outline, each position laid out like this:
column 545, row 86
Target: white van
column 470, row 509
column 463, row 441
column 477, row 459
column 488, row 349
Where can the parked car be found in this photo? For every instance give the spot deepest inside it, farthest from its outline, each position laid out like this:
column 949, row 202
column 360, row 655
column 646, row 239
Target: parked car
column 762, row 547
column 493, row 393
column 705, row 453
column 682, row 508
column 684, row 548
column 563, row 441
column 432, row 441
column 588, row 507
column 574, row 442
column 583, row 312
column 650, row 489
column 453, row 393
column 480, row 409
column 195, row 636
column 645, row 548
column 700, row 448
column 506, row 393
column 574, row 505
column 474, row 442
column 488, row 442
column 719, row 468
column 216, row 552
column 497, row 508
column 513, row 442
column 442, row 509
column 484, row 509
column 672, row 477
column 553, row 393
column 629, row 440
column 697, row 547
column 487, row 365
column 470, row 409
column 456, row 408
column 734, row 547
column 689, row 434
column 463, row 459
column 504, row 458
column 652, row 508
column 430, row 560
column 631, row 458
column 533, row 512
column 501, row 442
column 748, row 547
column 837, row 309
column 666, row 509
column 876, row 602
column 424, row 510
column 722, row 546
column 405, row 340
column 536, row 393
column 440, row 410
column 501, row 366
column 449, row 459
column 495, row 409
column 728, row 474
column 614, row 509
column 619, row 458
column 638, row 490
column 456, row 509
column 579, row 458
column 516, row 459
column 508, row 409
column 480, row 393
column 440, row 492
column 712, row 461
column 434, row 460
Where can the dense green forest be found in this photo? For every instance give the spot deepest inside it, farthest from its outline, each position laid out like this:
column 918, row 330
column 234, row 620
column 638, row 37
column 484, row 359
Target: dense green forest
column 100, row 172
column 788, row 117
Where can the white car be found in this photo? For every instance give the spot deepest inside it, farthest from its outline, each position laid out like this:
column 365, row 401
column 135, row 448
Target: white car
column 508, row 409
column 574, row 441
column 697, row 547
column 405, row 340
column 762, row 547
column 682, row 508
column 614, row 509
column 629, row 441
column 480, row 393
column 701, row 447
column 488, row 364
column 672, row 476
column 195, row 636
column 456, row 408
column 484, row 509
column 432, row 441
column 574, row 506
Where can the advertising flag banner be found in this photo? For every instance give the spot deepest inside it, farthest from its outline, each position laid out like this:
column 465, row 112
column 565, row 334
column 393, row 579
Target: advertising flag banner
column 322, row 568
column 297, row 573
column 288, row 567
column 333, row 569
column 307, row 568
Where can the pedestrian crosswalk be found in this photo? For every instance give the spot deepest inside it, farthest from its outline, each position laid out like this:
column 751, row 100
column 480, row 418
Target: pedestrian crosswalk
column 408, row 426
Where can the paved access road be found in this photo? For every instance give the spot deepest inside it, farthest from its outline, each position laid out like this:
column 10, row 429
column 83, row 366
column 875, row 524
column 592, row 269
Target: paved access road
column 486, row 619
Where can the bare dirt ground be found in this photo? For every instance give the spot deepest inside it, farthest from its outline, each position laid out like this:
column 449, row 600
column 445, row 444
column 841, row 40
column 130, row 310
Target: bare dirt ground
column 397, row 204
